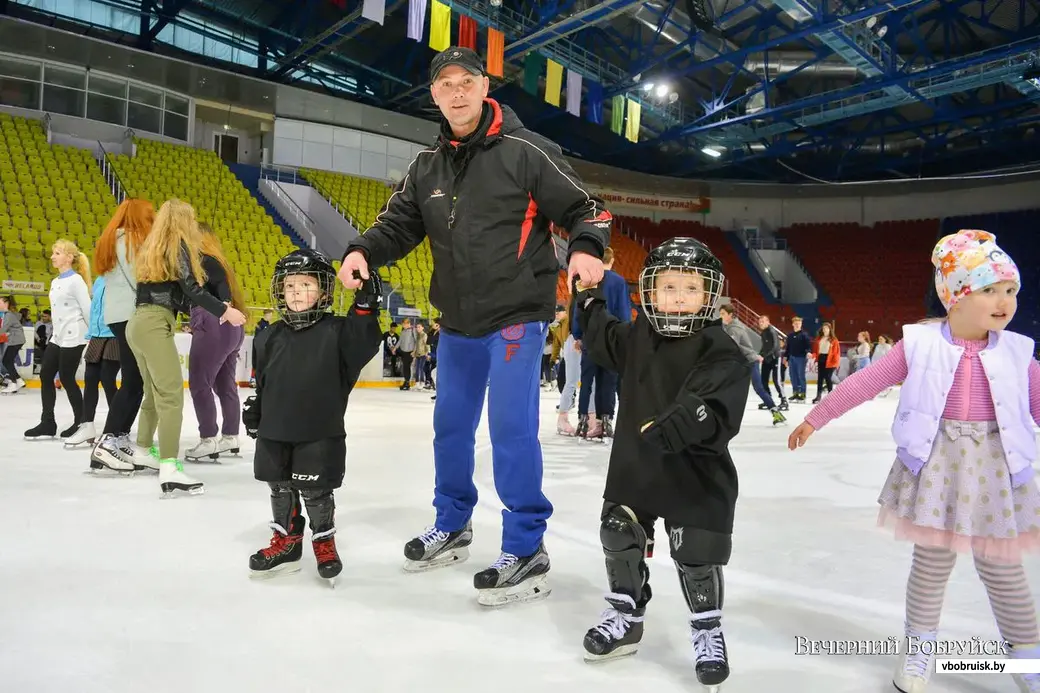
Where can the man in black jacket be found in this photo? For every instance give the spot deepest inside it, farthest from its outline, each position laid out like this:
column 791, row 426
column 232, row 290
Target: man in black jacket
column 484, row 195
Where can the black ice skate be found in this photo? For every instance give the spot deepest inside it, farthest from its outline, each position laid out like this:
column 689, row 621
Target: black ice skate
column 778, row 418
column 619, row 631
column 436, row 549
column 69, row 432
column 513, row 579
column 582, row 431
column 607, row 422
column 709, row 649
column 783, row 405
column 284, row 553
column 45, row 429
column 329, row 564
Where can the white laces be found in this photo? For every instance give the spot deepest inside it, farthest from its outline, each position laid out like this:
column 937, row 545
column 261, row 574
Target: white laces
column 504, row 561
column 918, row 664
column 708, row 644
column 615, row 624
column 432, row 535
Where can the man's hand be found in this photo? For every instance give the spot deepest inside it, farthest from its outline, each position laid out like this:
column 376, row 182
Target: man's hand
column 353, row 262
column 587, row 268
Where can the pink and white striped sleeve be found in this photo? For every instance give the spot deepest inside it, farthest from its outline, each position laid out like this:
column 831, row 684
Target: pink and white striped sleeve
column 861, row 387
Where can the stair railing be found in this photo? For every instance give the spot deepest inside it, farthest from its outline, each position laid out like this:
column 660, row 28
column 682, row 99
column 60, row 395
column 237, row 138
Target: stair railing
column 306, row 223
column 110, row 174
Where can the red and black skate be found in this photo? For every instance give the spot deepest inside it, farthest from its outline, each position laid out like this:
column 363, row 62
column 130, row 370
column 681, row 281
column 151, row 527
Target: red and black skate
column 284, row 553
column 329, row 565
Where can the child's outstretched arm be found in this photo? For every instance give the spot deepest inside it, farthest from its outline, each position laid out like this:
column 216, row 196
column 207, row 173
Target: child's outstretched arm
column 360, row 338
column 861, row 386
column 708, row 410
column 604, row 337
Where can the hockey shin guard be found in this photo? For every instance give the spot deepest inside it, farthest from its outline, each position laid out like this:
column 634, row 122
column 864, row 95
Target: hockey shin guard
column 321, row 509
column 624, row 546
column 285, row 507
column 702, row 587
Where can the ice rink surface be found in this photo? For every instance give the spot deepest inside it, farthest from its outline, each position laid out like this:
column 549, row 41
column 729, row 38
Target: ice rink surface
column 104, row 587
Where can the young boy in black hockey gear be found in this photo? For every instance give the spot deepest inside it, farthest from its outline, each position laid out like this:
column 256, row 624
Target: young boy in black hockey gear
column 306, row 366
column 686, row 387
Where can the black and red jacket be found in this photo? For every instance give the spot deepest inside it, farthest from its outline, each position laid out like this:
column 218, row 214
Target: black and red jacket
column 486, row 204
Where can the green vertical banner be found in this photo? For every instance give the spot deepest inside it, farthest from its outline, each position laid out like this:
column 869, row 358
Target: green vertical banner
column 532, row 71
column 617, row 114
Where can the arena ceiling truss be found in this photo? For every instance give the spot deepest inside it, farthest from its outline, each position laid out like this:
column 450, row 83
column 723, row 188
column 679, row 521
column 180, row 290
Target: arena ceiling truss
column 789, row 90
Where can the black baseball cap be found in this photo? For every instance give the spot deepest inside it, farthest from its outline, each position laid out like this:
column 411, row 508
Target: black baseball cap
column 465, row 58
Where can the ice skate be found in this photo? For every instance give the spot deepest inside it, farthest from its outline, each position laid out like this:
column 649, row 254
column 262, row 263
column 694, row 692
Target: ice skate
column 1027, row 683
column 709, row 649
column 513, row 579
column 595, row 430
column 113, row 453
column 173, row 479
column 783, row 406
column 85, row 433
column 69, row 432
column 205, row 451
column 13, row 387
column 618, row 632
column 329, row 564
column 563, row 425
column 283, row 555
column 228, row 445
column 607, row 425
column 778, row 417
column 583, row 426
column 915, row 668
column 45, row 430
column 436, row 549
column 146, row 458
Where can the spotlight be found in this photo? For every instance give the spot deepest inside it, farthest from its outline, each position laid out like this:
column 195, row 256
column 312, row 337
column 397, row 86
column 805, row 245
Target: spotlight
column 662, row 91
column 711, row 151
column 673, row 97
column 648, row 87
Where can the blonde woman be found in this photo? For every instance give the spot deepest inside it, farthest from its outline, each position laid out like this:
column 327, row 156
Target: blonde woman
column 170, row 280
column 70, row 313
column 213, row 359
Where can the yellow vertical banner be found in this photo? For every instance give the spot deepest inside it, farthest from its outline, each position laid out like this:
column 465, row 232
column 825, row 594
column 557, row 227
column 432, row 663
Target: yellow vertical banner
column 632, row 124
column 553, row 82
column 440, row 26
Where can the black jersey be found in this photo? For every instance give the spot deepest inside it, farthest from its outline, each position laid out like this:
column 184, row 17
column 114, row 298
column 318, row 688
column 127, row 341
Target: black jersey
column 697, row 486
column 304, row 377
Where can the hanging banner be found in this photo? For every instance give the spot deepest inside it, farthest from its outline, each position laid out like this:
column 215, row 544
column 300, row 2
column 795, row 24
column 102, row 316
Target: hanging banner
column 23, row 287
column 661, row 203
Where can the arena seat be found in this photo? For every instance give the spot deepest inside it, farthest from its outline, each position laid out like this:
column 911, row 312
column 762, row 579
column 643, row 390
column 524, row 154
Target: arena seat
column 361, row 199
column 47, row 192
column 251, row 239
column 877, row 277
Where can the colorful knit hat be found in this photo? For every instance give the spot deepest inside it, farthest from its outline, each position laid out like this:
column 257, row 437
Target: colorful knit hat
column 967, row 261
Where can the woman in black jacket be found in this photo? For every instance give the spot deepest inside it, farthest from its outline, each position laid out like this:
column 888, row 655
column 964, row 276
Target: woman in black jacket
column 170, row 280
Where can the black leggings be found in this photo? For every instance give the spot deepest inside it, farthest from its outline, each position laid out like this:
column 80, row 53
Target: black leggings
column 823, row 375
column 124, row 406
column 10, row 354
column 63, row 362
column 103, row 372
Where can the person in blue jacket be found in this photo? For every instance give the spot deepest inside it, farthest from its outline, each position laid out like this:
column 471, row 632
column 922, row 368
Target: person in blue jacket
column 615, row 290
column 101, row 366
column 798, row 346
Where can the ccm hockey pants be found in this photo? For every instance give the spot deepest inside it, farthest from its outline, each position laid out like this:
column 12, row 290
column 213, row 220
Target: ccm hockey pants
column 506, row 364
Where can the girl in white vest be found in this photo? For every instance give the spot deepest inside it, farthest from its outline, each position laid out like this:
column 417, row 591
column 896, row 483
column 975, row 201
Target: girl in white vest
column 963, row 477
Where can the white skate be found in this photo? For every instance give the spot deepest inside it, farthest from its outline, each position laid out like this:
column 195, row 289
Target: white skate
column 228, row 444
column 172, row 479
column 113, row 453
column 207, row 449
column 84, row 434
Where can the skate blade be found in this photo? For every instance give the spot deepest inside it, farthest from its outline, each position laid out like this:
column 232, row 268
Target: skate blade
column 453, row 557
column 73, row 446
column 172, row 490
column 205, row 459
column 283, row 569
column 535, row 589
column 623, row 651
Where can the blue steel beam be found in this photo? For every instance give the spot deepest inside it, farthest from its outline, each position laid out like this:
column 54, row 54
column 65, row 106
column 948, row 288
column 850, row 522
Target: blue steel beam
column 596, row 14
column 949, row 77
column 168, row 11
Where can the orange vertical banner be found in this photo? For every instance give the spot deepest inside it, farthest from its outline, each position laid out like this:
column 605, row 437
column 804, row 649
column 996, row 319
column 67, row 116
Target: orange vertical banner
column 467, row 32
column 496, row 53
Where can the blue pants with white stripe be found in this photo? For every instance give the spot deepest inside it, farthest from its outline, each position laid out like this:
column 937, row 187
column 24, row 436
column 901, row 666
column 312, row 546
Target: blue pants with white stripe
column 505, row 364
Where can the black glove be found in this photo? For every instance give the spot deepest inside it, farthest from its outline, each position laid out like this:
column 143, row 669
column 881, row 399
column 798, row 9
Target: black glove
column 251, row 416
column 681, row 425
column 585, row 299
column 369, row 296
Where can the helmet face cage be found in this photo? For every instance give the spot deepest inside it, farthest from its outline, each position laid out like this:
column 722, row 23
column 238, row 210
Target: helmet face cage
column 676, row 323
column 299, row 319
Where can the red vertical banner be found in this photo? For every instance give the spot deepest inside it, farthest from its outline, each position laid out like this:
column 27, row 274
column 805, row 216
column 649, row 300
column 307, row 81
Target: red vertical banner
column 496, row 53
column 467, row 32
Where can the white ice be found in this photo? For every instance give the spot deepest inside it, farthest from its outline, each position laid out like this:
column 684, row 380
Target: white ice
column 104, row 587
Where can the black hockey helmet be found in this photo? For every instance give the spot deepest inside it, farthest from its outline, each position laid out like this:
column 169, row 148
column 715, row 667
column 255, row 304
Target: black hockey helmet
column 310, row 262
column 671, row 313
